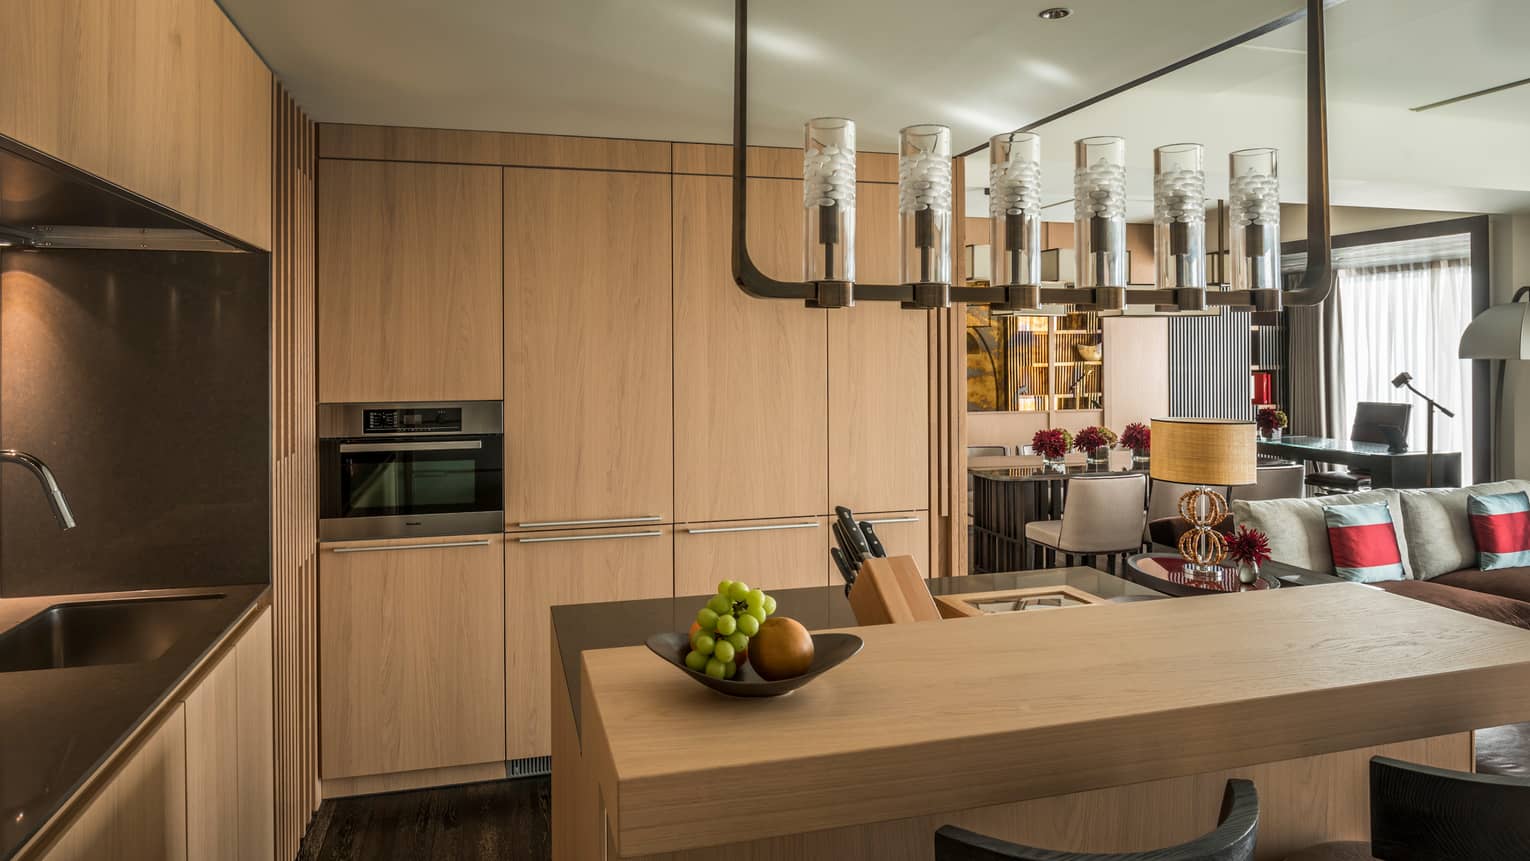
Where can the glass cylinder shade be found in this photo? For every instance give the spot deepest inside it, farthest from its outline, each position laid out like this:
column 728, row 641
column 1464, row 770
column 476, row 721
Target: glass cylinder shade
column 1099, row 211
column 924, row 204
column 1179, row 215
column 1014, row 205
column 828, row 195
column 1254, row 237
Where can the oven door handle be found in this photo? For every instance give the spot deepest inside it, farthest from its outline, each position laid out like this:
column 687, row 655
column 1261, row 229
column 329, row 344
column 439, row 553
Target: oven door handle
column 447, row 445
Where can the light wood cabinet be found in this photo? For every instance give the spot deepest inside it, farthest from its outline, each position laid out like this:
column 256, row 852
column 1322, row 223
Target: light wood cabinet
column 543, row 569
column 751, row 379
column 879, row 378
column 770, row 554
column 162, row 97
column 140, row 813
column 902, row 533
column 588, row 355
column 409, row 282
column 230, row 810
column 411, row 654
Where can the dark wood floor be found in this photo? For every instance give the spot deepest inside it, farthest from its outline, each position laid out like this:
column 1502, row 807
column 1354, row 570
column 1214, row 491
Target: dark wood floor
column 506, row 820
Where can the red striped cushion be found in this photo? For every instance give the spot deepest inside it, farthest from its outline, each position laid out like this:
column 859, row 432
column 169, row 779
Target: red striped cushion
column 1364, row 542
column 1501, row 528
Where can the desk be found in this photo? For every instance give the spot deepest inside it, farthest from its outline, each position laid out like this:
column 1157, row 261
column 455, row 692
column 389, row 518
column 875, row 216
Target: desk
column 1009, row 492
column 1386, row 468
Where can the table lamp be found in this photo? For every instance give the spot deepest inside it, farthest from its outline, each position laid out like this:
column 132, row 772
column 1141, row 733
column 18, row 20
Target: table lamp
column 1202, row 452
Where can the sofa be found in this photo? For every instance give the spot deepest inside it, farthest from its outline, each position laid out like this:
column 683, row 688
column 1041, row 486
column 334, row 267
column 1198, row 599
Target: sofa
column 1439, row 555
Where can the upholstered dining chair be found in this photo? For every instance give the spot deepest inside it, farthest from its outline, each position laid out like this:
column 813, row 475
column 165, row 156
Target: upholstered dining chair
column 1102, row 516
column 1163, row 498
column 1233, row 839
column 987, row 450
column 1422, row 813
column 1275, row 481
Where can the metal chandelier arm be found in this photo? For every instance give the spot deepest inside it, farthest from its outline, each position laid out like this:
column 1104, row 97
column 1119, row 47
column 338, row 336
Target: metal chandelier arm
column 1317, row 281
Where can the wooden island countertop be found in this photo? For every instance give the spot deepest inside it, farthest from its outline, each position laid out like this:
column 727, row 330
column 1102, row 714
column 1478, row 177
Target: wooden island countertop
column 939, row 717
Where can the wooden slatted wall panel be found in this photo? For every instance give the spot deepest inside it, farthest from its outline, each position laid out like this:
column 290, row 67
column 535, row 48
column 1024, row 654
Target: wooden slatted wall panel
column 1209, row 366
column 294, row 476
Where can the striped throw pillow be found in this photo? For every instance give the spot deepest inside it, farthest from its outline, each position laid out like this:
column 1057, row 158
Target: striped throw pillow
column 1364, row 543
column 1501, row 528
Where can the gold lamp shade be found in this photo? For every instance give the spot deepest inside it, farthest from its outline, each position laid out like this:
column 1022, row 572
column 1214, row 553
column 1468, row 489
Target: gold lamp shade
column 1204, row 451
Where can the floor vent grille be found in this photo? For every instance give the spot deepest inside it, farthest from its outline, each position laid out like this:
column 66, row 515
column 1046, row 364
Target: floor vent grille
column 531, row 766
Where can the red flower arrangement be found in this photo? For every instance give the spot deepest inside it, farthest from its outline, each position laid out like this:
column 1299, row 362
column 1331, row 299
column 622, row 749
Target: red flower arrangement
column 1249, row 545
column 1093, row 437
column 1271, row 418
column 1051, row 442
column 1137, row 437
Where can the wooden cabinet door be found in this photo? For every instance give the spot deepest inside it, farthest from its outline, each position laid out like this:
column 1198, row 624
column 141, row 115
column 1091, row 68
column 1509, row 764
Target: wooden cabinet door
column 770, row 554
column 411, row 654
column 902, row 533
column 751, row 380
column 879, row 378
column 543, row 569
column 409, row 282
column 140, row 813
column 212, row 763
column 256, row 742
column 588, row 357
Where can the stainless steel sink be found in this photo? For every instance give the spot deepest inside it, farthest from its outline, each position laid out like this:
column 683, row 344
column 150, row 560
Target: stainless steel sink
column 98, row 633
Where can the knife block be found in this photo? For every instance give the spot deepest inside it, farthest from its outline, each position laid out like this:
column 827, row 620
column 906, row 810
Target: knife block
column 891, row 590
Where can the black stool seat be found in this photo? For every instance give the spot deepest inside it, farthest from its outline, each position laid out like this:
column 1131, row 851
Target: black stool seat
column 1347, row 851
column 1344, row 482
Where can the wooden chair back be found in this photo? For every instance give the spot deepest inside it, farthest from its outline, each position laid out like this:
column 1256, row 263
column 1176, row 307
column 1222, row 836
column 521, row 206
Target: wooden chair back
column 1233, row 839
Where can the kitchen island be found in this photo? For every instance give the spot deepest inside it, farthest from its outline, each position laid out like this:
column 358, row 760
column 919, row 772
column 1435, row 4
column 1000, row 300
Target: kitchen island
column 1103, row 728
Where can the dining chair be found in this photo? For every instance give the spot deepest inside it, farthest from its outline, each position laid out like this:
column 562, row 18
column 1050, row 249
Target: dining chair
column 1276, row 481
column 1233, row 840
column 1422, row 813
column 987, row 450
column 1102, row 516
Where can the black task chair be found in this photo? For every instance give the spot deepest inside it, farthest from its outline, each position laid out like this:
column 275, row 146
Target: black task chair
column 1233, row 840
column 1421, row 813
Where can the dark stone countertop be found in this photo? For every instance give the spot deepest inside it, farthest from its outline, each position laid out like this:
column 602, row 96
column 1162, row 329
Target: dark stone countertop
column 58, row 726
column 579, row 627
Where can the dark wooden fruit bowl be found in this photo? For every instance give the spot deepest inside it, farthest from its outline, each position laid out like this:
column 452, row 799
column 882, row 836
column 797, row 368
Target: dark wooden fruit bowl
column 829, row 651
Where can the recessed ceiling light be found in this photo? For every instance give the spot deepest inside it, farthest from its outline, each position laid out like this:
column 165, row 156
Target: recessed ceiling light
column 1056, row 13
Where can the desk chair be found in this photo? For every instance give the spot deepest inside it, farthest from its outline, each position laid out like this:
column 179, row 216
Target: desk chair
column 1374, row 422
column 1102, row 516
column 1233, row 839
column 1421, row 813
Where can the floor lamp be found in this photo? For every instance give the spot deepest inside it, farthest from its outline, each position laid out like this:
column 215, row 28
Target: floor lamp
column 1502, row 334
column 1406, row 379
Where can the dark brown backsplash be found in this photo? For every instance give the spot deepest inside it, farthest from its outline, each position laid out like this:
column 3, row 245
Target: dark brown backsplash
column 141, row 379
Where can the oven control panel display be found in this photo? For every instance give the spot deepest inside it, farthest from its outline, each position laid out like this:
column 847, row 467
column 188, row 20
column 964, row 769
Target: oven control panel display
column 413, row 420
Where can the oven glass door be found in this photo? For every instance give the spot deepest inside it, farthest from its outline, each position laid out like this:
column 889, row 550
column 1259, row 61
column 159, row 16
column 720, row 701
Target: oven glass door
column 376, row 478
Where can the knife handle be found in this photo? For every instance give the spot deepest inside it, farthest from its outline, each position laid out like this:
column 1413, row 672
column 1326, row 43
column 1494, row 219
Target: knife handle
column 858, row 540
column 872, row 540
column 842, row 562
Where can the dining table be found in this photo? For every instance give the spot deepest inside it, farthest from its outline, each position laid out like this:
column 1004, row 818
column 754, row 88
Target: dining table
column 1009, row 491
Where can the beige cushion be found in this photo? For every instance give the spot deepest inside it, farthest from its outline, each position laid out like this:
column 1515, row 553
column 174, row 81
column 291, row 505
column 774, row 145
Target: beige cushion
column 1298, row 533
column 1439, row 533
column 1044, row 531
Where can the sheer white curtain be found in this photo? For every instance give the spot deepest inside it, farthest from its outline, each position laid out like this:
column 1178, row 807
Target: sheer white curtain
column 1409, row 318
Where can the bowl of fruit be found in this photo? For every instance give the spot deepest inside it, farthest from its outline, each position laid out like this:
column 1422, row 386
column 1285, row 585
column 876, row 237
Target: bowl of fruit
column 737, row 646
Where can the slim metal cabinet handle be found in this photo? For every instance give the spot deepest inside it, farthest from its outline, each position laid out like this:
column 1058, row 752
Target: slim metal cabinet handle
column 382, row 547
column 876, row 520
column 766, row 528
column 604, row 521
column 601, row 537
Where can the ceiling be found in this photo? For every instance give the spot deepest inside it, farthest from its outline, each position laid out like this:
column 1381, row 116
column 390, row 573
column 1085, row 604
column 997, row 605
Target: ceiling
column 1383, row 58
column 662, row 69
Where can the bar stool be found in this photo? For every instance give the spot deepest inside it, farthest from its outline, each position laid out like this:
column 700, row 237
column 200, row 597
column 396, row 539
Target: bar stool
column 1102, row 516
column 1233, row 839
column 1421, row 813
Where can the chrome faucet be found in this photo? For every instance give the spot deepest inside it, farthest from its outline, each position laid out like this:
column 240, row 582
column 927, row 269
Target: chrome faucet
column 48, row 482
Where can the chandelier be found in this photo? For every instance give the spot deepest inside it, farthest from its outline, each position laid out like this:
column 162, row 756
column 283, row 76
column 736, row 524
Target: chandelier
column 925, row 198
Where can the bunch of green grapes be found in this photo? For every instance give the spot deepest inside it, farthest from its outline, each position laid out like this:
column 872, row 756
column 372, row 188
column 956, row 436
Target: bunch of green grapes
column 723, row 628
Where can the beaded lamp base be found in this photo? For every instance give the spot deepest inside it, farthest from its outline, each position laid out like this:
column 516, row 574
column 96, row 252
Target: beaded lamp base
column 1203, row 547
